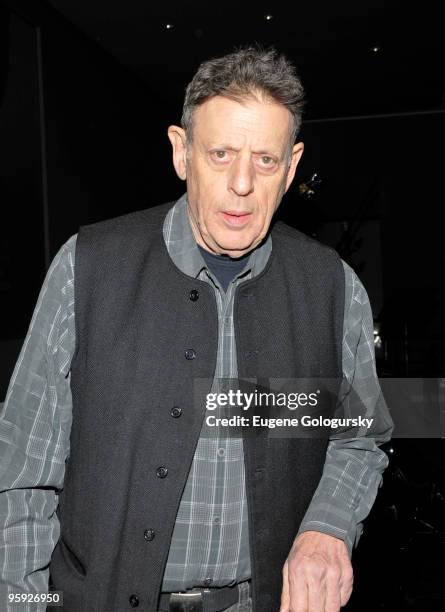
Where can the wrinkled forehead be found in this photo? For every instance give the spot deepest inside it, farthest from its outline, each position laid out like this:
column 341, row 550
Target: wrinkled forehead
column 256, row 121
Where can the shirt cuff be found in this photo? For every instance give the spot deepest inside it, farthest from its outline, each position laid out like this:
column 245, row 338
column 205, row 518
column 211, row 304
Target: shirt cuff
column 325, row 516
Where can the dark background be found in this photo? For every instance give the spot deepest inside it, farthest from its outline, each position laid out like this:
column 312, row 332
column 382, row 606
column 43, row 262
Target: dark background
column 87, row 90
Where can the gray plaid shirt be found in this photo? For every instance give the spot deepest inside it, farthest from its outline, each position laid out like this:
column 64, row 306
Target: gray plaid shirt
column 210, row 539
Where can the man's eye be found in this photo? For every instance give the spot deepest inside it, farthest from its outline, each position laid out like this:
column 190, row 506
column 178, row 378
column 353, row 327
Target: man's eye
column 220, row 154
column 266, row 160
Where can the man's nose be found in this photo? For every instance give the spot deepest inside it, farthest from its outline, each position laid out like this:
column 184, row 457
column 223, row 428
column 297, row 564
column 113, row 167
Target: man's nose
column 242, row 176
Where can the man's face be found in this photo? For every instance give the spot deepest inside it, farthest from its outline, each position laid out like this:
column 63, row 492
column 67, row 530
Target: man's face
column 237, row 169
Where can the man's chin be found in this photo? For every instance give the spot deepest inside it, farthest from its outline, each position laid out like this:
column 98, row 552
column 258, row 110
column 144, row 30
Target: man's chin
column 234, row 244
column 236, row 250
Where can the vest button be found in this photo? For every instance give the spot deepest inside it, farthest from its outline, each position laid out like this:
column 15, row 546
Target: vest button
column 194, row 295
column 161, row 472
column 149, row 535
column 190, row 354
column 134, row 601
column 176, row 412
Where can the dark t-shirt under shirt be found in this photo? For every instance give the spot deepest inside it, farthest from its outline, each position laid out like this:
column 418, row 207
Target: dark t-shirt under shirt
column 224, row 267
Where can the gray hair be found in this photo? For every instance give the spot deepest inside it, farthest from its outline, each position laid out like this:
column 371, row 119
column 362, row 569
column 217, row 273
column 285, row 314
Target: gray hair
column 247, row 72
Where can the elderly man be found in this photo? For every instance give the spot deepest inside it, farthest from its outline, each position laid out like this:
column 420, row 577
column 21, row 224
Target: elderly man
column 153, row 510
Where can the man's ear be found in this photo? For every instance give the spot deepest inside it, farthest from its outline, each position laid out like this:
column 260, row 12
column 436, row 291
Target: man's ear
column 297, row 152
column 177, row 137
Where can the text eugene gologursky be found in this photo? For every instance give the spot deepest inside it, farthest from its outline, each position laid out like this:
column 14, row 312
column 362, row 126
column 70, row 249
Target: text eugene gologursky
column 292, row 401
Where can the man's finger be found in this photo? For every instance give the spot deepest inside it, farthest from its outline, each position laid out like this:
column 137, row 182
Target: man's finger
column 316, row 589
column 333, row 589
column 347, row 584
column 285, row 597
column 298, row 591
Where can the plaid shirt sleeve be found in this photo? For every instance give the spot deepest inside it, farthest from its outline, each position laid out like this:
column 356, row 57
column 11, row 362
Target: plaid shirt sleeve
column 353, row 467
column 35, row 424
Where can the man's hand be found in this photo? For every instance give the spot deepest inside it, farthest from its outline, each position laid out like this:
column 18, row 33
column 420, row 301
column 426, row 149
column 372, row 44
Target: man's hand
column 317, row 575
